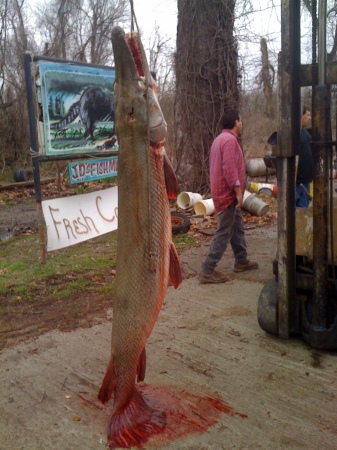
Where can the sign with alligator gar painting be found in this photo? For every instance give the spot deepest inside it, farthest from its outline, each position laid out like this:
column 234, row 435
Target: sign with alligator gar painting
column 77, row 109
column 71, row 220
column 92, row 170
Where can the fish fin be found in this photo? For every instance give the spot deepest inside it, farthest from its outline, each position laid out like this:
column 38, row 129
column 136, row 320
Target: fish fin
column 175, row 271
column 171, row 181
column 133, row 425
column 141, row 366
column 108, row 384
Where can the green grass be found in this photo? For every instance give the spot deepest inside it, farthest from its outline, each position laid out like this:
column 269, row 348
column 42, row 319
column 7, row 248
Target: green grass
column 108, row 180
column 7, row 201
column 183, row 241
column 7, row 173
column 86, row 265
column 22, row 273
column 72, row 287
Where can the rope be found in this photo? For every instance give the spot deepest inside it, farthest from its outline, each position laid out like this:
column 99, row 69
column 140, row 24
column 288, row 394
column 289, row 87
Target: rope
column 147, row 86
column 132, row 15
column 133, row 18
column 33, row 153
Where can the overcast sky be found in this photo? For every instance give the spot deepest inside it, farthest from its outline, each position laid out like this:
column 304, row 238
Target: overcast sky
column 157, row 12
column 265, row 22
column 164, row 14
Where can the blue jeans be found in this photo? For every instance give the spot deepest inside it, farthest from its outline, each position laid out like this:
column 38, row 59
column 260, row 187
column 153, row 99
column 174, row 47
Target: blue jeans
column 302, row 200
column 230, row 229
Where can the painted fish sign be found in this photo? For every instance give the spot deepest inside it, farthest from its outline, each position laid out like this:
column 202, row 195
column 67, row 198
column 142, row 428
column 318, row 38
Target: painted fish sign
column 146, row 256
column 77, row 105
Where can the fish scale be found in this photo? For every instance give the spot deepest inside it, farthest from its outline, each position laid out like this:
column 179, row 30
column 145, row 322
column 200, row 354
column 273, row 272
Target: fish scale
column 146, row 256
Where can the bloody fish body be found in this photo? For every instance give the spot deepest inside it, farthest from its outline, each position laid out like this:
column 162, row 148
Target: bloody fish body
column 146, row 256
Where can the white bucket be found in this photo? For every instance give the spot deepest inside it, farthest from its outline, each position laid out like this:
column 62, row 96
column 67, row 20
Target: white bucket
column 256, row 167
column 255, row 205
column 186, row 200
column 265, row 189
column 245, row 195
column 204, row 207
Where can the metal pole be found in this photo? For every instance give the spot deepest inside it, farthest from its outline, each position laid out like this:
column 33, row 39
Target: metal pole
column 322, row 12
column 34, row 151
column 289, row 143
column 321, row 128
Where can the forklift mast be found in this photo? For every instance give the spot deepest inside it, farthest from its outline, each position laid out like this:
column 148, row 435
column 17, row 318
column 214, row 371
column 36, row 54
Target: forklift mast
column 302, row 299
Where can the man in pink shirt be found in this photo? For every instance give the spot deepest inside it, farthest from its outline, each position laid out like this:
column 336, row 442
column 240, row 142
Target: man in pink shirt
column 227, row 179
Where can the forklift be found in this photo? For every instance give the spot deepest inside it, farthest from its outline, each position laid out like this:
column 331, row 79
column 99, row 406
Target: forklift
column 301, row 300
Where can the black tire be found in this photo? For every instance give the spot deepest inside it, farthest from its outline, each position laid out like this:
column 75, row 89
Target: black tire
column 180, row 223
column 27, row 174
column 18, row 175
column 267, row 310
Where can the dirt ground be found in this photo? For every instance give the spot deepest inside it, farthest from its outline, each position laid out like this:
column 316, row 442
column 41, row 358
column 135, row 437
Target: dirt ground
column 21, row 321
column 80, row 309
column 223, row 382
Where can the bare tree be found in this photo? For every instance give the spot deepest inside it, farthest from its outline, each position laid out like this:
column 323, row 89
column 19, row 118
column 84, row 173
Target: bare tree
column 206, row 84
column 70, row 29
column 14, row 41
column 332, row 35
column 3, row 42
column 331, row 24
column 161, row 62
column 161, row 57
column 266, row 79
column 80, row 29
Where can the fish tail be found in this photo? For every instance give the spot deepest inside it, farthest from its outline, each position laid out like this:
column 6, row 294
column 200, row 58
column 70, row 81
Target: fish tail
column 108, row 384
column 133, row 425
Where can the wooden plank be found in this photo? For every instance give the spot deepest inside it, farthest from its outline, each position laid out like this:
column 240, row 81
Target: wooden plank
column 4, row 186
column 307, row 78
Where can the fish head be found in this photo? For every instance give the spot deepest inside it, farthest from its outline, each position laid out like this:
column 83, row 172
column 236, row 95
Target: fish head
column 136, row 101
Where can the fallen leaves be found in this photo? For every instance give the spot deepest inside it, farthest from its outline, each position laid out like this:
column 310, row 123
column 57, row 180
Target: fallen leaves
column 207, row 225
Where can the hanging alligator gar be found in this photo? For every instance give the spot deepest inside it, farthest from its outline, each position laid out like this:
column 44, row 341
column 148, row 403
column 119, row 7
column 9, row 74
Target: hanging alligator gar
column 146, row 256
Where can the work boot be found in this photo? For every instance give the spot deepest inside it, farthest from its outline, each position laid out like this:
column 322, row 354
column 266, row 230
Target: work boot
column 248, row 265
column 213, row 277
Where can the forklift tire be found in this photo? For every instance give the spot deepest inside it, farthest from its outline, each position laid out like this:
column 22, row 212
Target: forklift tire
column 267, row 310
column 180, row 223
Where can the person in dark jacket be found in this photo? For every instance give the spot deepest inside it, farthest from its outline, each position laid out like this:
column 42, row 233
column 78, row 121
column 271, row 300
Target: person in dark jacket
column 305, row 162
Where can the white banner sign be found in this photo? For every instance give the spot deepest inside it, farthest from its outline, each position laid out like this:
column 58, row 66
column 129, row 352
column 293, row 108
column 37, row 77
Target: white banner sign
column 75, row 219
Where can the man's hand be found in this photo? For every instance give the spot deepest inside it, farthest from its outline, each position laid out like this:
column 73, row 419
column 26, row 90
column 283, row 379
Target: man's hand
column 239, row 196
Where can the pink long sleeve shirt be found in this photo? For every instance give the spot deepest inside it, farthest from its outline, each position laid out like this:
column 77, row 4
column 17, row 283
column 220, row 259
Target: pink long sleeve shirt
column 227, row 169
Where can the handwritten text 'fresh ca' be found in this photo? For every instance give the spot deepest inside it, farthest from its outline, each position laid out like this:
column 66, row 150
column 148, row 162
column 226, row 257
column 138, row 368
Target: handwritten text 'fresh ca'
column 75, row 219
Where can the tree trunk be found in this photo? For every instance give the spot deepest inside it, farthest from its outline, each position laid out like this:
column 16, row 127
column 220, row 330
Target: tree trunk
column 206, row 84
column 267, row 80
